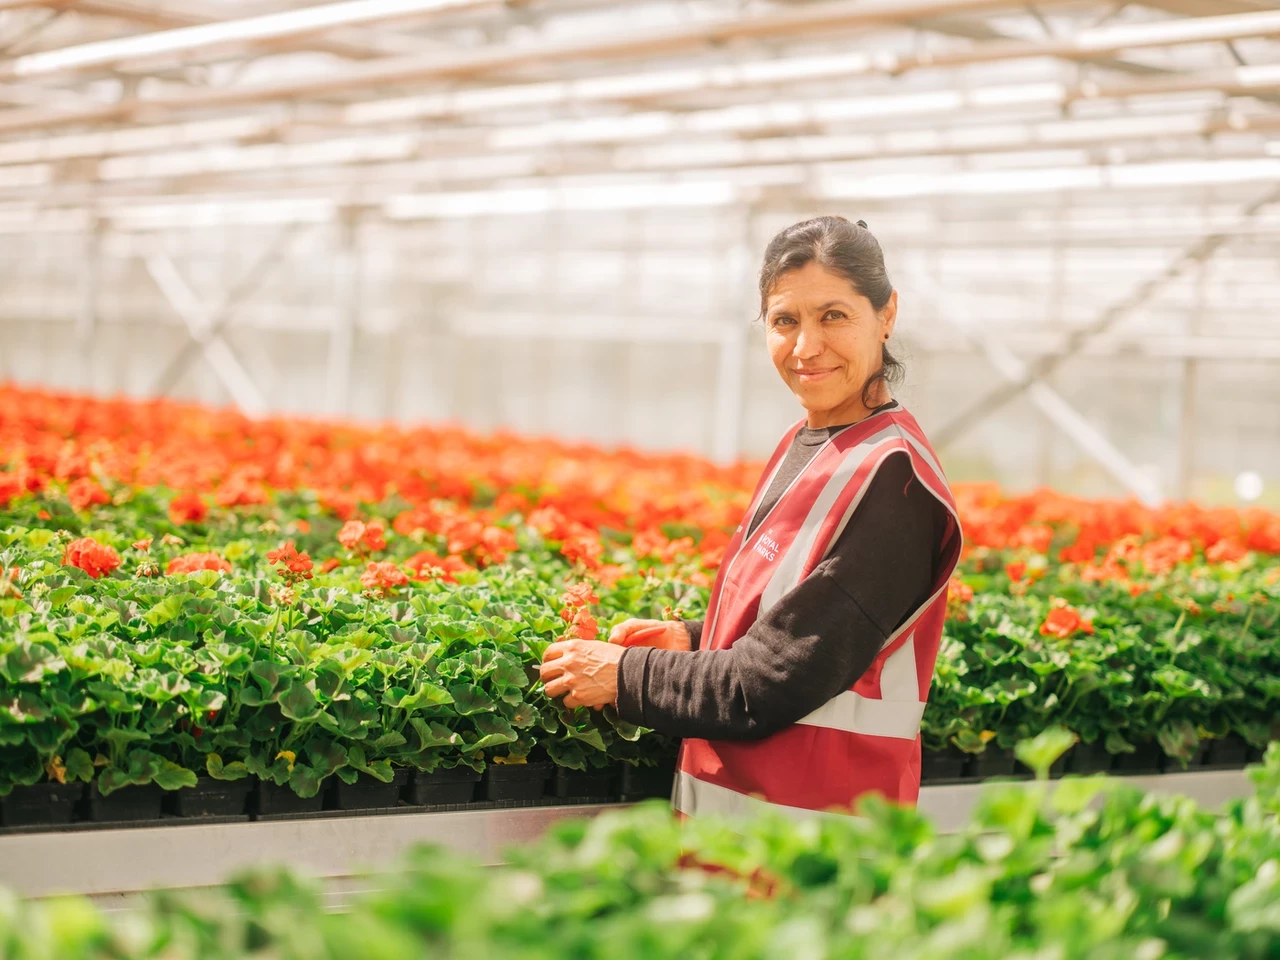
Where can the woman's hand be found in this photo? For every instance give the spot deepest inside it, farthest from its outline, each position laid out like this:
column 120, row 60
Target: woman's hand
column 663, row 634
column 584, row 672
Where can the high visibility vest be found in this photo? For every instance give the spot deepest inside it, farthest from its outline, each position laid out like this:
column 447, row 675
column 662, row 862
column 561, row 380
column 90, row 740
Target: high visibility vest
column 866, row 738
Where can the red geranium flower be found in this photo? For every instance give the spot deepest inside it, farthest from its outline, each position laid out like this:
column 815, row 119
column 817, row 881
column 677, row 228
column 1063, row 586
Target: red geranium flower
column 424, row 562
column 1063, row 621
column 85, row 493
column 94, row 558
column 293, row 565
column 584, row 550
column 192, row 562
column 187, row 508
column 383, row 577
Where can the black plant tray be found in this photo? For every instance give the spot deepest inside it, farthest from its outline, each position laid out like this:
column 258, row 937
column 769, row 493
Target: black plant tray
column 126, row 804
column 455, row 785
column 1229, row 751
column 645, row 783
column 993, row 762
column 1147, row 758
column 949, row 764
column 515, row 781
column 595, row 784
column 41, row 803
column 367, row 793
column 89, row 826
column 408, row 810
column 1089, row 758
column 211, row 797
column 273, row 799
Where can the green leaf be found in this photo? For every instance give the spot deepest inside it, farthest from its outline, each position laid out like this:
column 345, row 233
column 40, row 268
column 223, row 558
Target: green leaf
column 170, row 776
column 469, row 699
column 60, row 595
column 304, row 781
column 225, row 771
column 164, row 611
column 427, row 695
column 1072, row 794
column 298, row 702
column 1041, row 752
column 79, row 765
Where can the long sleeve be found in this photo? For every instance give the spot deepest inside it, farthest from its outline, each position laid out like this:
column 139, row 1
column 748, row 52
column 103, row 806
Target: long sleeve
column 813, row 643
column 695, row 632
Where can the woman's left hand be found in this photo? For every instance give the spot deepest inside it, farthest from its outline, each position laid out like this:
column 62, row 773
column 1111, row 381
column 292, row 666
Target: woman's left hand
column 584, row 672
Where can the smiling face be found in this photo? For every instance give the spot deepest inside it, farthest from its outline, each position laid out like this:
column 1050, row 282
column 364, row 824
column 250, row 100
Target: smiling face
column 825, row 339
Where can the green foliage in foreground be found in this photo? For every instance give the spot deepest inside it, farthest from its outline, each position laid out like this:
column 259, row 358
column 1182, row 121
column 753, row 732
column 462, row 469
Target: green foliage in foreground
column 1085, row 868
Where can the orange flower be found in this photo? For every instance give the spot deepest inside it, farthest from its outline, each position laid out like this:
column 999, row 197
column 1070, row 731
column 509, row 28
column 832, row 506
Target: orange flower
column 1226, row 551
column 338, row 502
column 584, row 625
column 383, row 577
column 351, row 534
column 424, row 563
column 496, row 543
column 192, row 562
column 95, row 559
column 329, row 565
column 1063, row 621
column 959, row 591
column 584, row 550
column 579, row 595
column 293, row 565
column 143, row 545
column 359, row 537
column 85, row 493
column 1015, row 570
column 187, row 508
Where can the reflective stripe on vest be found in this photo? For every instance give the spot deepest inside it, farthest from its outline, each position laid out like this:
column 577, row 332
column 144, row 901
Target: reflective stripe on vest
column 865, row 738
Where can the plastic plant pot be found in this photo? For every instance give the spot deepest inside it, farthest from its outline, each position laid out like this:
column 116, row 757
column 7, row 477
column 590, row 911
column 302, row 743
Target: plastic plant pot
column 369, row 793
column 1229, row 751
column 211, row 797
column 993, row 762
column 515, row 781
column 1089, row 758
column 950, row 763
column 645, row 783
column 595, row 784
column 455, row 785
column 42, row 803
column 1146, row 758
column 275, row 799
column 128, row 803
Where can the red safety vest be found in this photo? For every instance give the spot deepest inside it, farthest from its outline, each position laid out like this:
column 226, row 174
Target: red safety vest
column 866, row 738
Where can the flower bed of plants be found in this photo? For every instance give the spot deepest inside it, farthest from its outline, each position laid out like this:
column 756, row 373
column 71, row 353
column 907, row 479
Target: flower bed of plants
column 1088, row 868
column 186, row 595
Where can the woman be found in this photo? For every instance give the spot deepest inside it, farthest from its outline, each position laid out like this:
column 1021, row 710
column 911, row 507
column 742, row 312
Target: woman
column 804, row 687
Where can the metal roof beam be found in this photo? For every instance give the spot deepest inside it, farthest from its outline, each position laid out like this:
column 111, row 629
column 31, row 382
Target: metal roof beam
column 1085, row 45
column 813, row 18
column 266, row 28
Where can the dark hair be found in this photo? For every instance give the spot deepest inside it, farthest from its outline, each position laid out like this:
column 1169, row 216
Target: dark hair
column 844, row 248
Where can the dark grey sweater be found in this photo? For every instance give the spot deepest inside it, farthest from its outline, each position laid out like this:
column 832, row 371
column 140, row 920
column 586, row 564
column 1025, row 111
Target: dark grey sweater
column 816, row 640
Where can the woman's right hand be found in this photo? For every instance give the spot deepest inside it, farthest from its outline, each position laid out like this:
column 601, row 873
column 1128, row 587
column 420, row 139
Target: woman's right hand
column 662, row 634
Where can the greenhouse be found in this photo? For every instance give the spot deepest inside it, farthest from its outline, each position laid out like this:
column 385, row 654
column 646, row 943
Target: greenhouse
column 580, row 479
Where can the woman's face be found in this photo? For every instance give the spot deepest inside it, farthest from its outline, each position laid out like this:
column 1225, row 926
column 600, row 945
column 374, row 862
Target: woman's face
column 825, row 339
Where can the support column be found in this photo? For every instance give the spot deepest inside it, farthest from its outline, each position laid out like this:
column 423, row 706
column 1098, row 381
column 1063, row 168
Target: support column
column 726, row 438
column 86, row 327
column 1186, row 474
column 346, row 312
